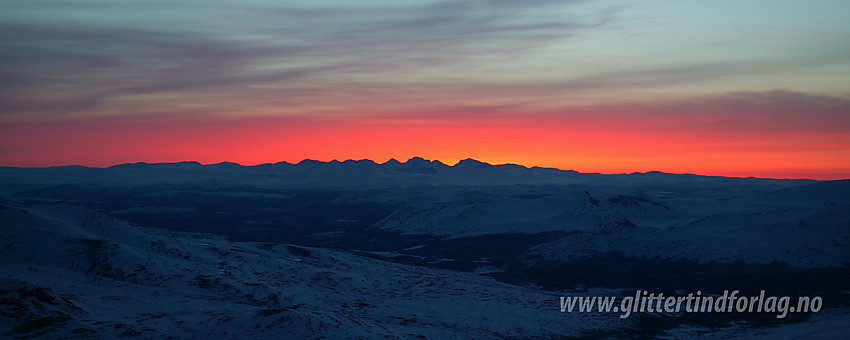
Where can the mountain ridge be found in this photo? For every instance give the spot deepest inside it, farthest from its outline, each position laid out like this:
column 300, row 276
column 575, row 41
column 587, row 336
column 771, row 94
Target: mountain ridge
column 417, row 162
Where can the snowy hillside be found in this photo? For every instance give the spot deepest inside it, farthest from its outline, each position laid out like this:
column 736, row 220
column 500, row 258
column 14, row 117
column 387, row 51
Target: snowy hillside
column 357, row 249
column 69, row 272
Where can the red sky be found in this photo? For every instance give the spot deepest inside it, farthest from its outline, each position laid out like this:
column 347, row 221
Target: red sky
column 714, row 88
column 597, row 139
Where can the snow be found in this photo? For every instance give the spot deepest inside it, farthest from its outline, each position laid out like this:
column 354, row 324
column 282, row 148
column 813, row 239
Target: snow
column 109, row 279
column 70, row 271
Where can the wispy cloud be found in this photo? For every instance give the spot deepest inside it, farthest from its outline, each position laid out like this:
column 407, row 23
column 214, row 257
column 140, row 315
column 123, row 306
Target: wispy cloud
column 69, row 58
column 288, row 58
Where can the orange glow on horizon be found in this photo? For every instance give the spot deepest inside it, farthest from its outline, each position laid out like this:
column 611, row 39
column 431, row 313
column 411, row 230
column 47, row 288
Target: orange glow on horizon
column 616, row 147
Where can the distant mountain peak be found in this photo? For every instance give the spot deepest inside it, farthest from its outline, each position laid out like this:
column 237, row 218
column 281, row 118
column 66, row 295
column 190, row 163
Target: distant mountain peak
column 471, row 162
column 309, row 161
column 360, row 161
column 417, row 160
column 423, row 166
column 192, row 163
column 225, row 164
column 126, row 165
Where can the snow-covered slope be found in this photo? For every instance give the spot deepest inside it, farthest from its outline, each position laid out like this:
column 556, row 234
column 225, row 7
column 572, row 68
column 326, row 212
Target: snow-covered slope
column 800, row 222
column 71, row 268
column 808, row 229
column 751, row 229
column 69, row 272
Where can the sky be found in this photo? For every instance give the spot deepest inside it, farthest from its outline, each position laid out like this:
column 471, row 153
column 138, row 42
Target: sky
column 734, row 88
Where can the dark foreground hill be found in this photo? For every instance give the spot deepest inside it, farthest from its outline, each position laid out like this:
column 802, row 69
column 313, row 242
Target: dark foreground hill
column 405, row 249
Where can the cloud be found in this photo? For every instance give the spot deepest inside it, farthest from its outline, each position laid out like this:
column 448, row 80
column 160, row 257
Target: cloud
column 98, row 58
column 778, row 119
column 777, row 111
column 69, row 58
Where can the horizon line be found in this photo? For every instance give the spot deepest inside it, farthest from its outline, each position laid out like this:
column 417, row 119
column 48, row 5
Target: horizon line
column 391, row 159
